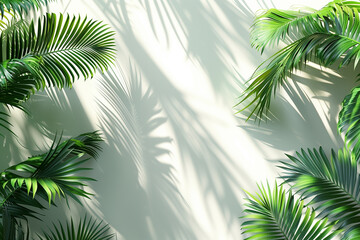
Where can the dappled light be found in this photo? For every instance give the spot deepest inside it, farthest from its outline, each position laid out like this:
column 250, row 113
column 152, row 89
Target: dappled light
column 177, row 154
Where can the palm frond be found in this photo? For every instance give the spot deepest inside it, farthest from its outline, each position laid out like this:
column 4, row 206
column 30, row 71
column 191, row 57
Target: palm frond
column 67, row 47
column 273, row 215
column 349, row 118
column 15, row 205
column 7, row 18
column 43, row 177
column 274, row 25
column 13, row 23
column 18, row 80
column 87, row 229
column 56, row 52
column 54, row 173
column 333, row 185
column 20, row 6
column 338, row 38
column 265, row 82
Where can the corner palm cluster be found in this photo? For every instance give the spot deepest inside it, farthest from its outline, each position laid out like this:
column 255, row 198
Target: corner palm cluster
column 53, row 50
column 329, row 184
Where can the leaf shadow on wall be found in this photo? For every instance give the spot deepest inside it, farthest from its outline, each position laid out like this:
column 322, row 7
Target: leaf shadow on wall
column 144, row 199
column 203, row 159
column 204, row 29
column 315, row 116
column 50, row 112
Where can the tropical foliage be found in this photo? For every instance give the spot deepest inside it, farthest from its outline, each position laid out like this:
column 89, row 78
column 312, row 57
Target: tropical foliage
column 20, row 6
column 330, row 184
column 44, row 177
column 53, row 50
column 327, row 36
column 88, row 229
column 277, row 215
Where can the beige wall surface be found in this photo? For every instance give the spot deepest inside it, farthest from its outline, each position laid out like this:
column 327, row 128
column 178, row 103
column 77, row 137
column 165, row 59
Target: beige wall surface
column 176, row 157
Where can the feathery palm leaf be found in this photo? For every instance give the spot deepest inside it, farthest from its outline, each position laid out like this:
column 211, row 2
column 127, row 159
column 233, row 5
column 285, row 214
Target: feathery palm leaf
column 15, row 205
column 7, row 19
column 336, row 36
column 14, row 24
column 55, row 52
column 266, row 81
column 66, row 47
column 276, row 25
column 44, row 177
column 273, row 215
column 87, row 229
column 17, row 82
column 20, row 5
column 333, row 185
column 54, row 172
column 349, row 117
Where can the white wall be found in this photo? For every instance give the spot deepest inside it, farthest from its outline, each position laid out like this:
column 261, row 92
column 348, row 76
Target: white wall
column 176, row 158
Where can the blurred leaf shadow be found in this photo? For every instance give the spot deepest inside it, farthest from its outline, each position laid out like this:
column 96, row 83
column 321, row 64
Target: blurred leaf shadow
column 146, row 203
column 211, row 169
column 208, row 31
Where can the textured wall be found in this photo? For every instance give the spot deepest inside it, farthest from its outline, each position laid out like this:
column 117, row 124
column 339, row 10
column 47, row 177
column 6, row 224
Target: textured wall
column 176, row 157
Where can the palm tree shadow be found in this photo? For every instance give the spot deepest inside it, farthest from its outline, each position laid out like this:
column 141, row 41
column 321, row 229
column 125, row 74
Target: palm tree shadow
column 145, row 199
column 50, row 112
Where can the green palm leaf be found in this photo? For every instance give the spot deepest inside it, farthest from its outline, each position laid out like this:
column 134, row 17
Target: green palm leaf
column 87, row 229
column 13, row 24
column 7, row 19
column 56, row 52
column 273, row 215
column 337, row 36
column 54, row 172
column 333, row 185
column 349, row 117
column 266, row 81
column 18, row 79
column 66, row 47
column 15, row 205
column 276, row 25
column 20, row 5
column 44, row 177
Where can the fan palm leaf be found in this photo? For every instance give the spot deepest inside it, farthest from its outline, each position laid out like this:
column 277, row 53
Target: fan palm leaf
column 337, row 36
column 87, row 229
column 273, row 215
column 332, row 185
